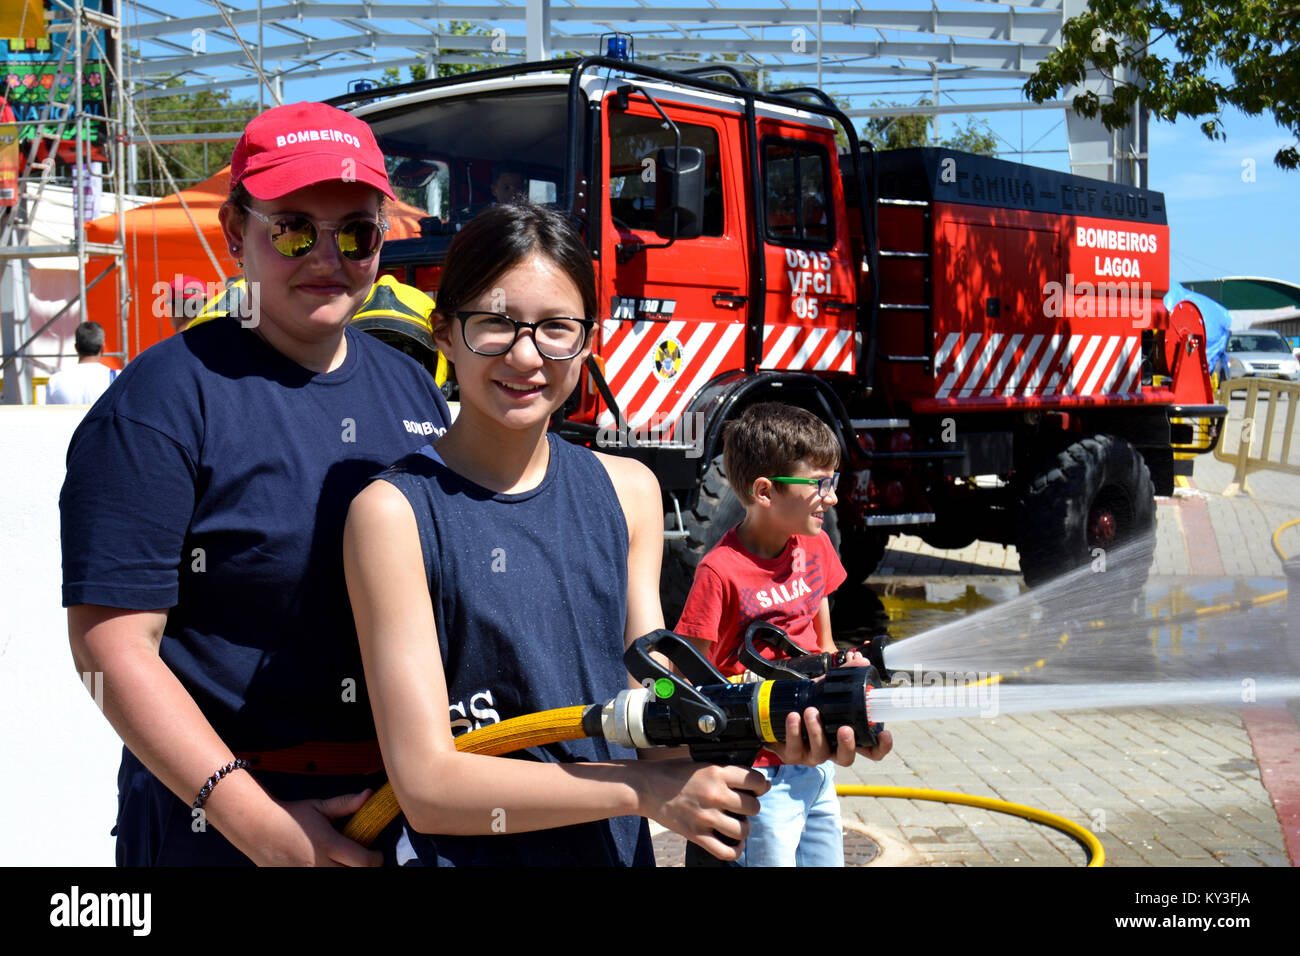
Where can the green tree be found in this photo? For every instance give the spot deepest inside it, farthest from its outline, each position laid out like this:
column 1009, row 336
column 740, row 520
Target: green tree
column 975, row 137
column 195, row 112
column 457, row 28
column 1257, row 43
column 897, row 132
column 913, row 129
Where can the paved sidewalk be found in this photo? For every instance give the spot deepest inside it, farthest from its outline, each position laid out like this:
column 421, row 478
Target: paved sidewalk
column 1159, row 786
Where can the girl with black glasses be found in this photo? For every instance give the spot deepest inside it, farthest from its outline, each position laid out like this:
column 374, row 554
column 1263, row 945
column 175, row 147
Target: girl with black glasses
column 502, row 571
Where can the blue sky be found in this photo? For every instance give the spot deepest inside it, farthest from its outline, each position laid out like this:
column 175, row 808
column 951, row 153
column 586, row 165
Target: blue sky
column 1221, row 222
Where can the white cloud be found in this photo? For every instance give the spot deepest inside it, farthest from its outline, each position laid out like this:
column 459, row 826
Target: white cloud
column 1217, row 183
column 1188, row 167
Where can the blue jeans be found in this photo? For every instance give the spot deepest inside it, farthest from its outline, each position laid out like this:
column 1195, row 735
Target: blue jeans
column 798, row 823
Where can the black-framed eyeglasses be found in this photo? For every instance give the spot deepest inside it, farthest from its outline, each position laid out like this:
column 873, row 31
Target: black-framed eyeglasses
column 557, row 338
column 824, row 485
column 294, row 234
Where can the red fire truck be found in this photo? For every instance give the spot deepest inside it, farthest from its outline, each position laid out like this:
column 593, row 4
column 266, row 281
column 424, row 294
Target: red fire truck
column 986, row 338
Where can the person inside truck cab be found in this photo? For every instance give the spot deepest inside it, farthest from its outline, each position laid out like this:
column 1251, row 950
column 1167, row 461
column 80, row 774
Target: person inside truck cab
column 814, row 216
column 509, row 184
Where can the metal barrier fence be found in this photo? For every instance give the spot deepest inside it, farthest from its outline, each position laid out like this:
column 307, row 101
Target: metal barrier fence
column 1249, row 433
column 40, row 388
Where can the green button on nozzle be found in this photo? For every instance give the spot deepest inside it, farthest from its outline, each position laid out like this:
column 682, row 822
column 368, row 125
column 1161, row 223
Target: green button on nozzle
column 663, row 688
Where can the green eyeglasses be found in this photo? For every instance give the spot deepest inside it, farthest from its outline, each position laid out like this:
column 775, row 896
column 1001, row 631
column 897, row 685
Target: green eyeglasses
column 824, row 485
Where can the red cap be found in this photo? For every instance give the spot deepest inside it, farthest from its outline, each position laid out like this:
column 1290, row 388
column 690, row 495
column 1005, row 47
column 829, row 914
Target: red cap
column 302, row 144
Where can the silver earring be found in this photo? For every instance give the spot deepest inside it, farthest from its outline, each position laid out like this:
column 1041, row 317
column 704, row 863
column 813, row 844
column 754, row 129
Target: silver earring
column 234, row 250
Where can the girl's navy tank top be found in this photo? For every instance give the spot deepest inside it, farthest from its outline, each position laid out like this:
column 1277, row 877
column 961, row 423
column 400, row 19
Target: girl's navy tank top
column 529, row 596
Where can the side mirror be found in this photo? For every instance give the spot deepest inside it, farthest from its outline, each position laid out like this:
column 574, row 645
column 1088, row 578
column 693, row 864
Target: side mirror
column 685, row 218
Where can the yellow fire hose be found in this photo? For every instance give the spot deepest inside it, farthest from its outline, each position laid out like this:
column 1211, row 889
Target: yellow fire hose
column 1277, row 534
column 1090, row 843
column 552, row 726
column 494, row 740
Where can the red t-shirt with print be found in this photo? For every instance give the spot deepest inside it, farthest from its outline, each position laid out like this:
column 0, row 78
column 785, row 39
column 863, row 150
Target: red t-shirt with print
column 733, row 588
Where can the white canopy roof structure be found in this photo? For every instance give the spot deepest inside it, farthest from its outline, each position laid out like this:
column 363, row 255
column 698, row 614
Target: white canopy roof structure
column 965, row 56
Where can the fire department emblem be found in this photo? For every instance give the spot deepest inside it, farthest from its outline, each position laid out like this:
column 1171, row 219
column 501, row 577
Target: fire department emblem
column 668, row 358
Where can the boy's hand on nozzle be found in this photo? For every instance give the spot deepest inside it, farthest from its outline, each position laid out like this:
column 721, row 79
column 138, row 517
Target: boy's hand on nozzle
column 884, row 744
column 703, row 802
column 855, row 658
column 816, row 750
column 809, row 749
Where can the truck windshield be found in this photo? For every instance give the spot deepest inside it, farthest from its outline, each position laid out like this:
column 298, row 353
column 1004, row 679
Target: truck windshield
column 448, row 159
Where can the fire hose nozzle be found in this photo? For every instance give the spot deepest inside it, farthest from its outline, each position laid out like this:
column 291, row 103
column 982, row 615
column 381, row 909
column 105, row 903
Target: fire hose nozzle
column 621, row 719
column 791, row 660
column 722, row 722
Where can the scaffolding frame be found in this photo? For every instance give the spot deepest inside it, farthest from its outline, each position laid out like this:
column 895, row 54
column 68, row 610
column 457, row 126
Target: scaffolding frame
column 89, row 31
column 938, row 47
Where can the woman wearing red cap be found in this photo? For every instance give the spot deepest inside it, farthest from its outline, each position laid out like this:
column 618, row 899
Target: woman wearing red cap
column 203, row 514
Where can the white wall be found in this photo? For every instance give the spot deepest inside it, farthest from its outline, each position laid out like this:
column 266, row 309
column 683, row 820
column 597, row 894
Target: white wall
column 59, row 795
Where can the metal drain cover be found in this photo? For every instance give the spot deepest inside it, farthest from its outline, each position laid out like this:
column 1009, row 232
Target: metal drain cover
column 859, row 849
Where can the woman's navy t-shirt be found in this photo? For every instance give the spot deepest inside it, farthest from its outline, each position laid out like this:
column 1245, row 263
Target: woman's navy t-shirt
column 529, row 597
column 213, row 478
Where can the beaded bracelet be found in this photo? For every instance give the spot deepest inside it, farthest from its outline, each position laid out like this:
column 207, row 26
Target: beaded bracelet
column 213, row 780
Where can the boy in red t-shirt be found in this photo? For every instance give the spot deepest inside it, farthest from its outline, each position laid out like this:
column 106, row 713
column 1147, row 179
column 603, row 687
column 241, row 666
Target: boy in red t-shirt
column 777, row 566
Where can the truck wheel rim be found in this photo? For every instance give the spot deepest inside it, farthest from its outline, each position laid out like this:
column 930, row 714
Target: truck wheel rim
column 1108, row 518
column 1102, row 526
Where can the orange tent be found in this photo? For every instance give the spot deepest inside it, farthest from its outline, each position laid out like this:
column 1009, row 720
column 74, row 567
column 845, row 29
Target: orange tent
column 162, row 243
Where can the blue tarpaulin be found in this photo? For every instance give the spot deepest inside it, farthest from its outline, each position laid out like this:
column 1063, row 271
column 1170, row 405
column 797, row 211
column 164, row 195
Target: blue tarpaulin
column 1217, row 320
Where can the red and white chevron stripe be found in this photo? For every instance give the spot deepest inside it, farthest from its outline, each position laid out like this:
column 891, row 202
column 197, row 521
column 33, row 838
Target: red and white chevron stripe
column 811, row 348
column 996, row 364
column 643, row 395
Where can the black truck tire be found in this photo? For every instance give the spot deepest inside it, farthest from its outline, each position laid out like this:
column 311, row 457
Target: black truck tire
column 1096, row 494
column 717, row 510
column 861, row 552
column 947, row 533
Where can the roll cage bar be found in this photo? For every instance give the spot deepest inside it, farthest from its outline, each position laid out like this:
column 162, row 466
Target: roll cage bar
column 693, row 78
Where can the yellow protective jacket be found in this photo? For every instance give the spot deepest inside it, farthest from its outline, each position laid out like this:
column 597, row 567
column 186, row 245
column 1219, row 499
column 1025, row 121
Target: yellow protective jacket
column 393, row 312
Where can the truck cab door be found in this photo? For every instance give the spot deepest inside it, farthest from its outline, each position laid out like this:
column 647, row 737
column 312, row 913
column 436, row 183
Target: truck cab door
column 810, row 316
column 676, row 314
